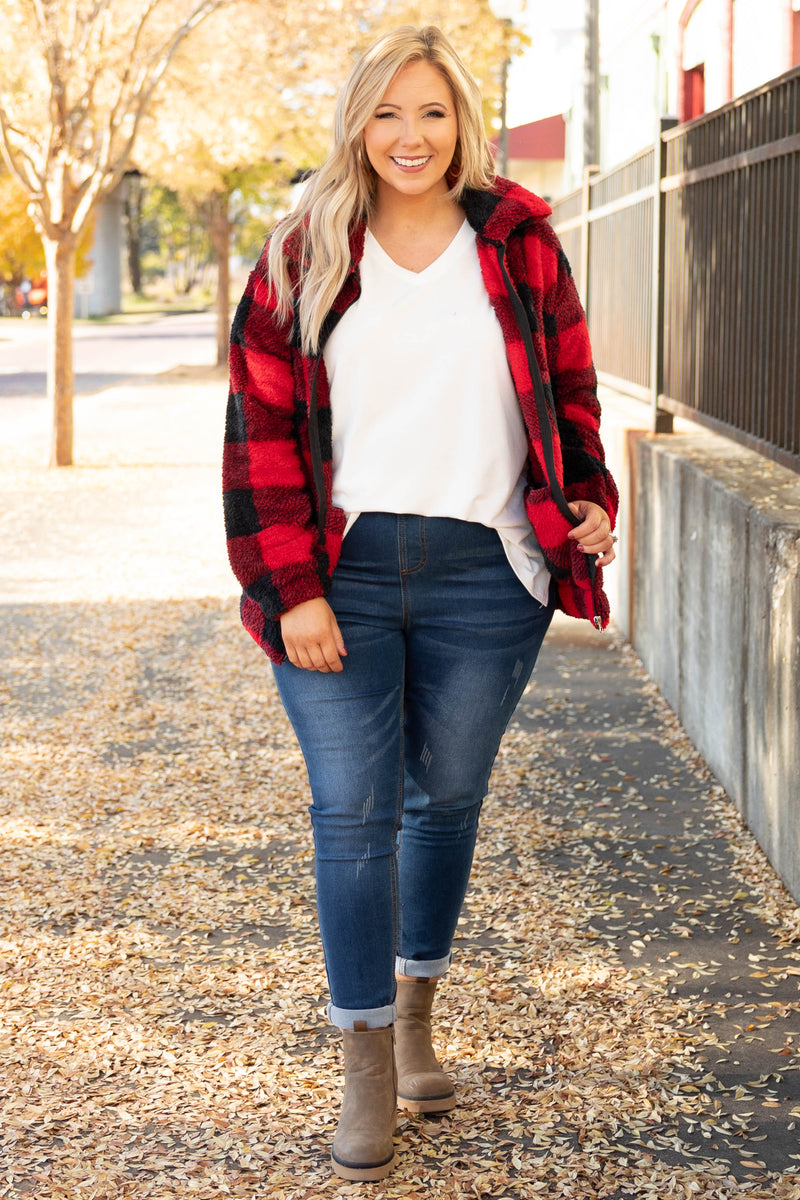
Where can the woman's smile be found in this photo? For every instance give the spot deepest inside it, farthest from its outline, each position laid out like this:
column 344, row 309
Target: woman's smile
column 412, row 164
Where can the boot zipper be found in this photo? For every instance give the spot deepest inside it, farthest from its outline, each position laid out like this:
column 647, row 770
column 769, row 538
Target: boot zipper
column 316, row 455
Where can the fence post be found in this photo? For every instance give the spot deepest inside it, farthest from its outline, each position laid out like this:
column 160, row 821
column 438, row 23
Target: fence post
column 586, row 202
column 662, row 421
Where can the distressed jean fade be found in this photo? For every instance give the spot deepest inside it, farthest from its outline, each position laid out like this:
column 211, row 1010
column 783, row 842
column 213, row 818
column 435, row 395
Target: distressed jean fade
column 441, row 639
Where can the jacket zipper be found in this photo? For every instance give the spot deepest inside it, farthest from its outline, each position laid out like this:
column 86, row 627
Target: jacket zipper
column 316, row 455
column 543, row 411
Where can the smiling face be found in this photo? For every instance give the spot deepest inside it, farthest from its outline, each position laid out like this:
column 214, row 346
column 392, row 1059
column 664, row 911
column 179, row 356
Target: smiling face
column 411, row 137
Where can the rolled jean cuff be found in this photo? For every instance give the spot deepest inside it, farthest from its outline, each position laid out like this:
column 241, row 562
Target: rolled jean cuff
column 375, row 1018
column 431, row 968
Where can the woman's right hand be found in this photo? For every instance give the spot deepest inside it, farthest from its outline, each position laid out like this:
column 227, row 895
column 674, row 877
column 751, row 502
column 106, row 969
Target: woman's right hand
column 312, row 637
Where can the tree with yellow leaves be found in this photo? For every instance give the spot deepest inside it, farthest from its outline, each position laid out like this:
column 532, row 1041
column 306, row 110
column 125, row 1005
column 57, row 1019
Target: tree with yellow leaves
column 72, row 97
column 21, row 250
column 287, row 62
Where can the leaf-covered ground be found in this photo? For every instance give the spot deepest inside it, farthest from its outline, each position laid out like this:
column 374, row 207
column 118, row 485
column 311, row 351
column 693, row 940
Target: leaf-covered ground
column 621, row 1018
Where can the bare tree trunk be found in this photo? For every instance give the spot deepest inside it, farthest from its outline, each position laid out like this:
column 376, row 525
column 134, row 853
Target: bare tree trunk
column 133, row 229
column 60, row 258
column 223, row 304
column 220, row 231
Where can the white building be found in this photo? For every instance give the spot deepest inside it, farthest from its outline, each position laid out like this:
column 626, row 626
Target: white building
column 723, row 48
column 676, row 57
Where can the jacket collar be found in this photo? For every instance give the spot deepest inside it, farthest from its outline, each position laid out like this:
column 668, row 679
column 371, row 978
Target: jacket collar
column 494, row 214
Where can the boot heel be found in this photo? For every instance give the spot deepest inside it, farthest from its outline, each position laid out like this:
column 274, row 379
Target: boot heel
column 355, row 1173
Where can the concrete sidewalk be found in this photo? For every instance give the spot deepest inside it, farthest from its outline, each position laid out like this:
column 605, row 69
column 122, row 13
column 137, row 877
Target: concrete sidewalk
column 622, row 1015
column 138, row 516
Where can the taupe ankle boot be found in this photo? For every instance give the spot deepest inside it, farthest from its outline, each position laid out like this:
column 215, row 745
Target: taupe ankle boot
column 422, row 1085
column 363, row 1146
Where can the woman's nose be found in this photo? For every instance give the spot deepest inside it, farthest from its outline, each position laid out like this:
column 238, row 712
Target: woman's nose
column 411, row 134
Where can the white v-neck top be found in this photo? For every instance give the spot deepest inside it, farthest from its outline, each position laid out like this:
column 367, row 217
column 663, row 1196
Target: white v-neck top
column 425, row 416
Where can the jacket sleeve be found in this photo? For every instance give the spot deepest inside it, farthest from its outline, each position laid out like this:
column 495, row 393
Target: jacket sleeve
column 573, row 382
column 269, row 511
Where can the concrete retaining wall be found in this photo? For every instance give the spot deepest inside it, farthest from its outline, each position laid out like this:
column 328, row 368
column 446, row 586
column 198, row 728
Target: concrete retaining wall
column 708, row 592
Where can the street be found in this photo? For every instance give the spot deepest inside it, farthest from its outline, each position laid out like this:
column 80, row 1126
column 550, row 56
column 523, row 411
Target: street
column 105, row 355
column 121, row 371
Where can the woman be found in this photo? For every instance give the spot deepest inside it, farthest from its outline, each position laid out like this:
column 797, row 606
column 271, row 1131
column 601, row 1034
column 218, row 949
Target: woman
column 414, row 481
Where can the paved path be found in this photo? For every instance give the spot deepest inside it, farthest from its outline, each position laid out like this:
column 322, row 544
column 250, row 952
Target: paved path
column 622, row 1016
column 105, row 355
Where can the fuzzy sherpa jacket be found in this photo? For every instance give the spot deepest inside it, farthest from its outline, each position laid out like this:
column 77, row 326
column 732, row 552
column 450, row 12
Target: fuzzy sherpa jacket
column 284, row 534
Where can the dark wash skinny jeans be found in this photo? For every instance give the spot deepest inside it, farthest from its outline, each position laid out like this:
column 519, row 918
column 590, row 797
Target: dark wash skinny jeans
column 441, row 639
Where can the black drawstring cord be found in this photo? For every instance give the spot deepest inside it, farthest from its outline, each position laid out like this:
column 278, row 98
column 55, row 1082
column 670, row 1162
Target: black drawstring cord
column 316, row 455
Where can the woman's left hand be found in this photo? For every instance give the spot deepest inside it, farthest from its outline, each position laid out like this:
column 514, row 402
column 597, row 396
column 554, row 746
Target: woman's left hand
column 593, row 535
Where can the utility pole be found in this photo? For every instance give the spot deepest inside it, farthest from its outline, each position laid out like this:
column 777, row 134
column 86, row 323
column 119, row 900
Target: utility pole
column 506, row 12
column 591, row 85
column 502, row 147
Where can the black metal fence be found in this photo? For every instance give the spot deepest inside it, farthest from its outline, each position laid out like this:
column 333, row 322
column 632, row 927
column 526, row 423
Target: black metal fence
column 687, row 257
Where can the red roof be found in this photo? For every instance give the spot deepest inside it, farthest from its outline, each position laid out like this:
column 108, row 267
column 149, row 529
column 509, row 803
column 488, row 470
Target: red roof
column 537, row 139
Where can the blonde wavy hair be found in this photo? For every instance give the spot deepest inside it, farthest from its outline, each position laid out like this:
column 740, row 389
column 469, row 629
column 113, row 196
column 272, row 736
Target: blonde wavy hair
column 343, row 191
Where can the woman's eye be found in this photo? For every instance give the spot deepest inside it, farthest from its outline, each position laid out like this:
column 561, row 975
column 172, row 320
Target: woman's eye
column 434, row 112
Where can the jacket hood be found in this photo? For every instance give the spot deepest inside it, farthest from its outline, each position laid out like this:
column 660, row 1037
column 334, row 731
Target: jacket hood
column 494, row 214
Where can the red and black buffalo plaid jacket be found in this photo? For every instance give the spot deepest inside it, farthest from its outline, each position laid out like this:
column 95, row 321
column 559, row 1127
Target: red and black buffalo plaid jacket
column 284, row 534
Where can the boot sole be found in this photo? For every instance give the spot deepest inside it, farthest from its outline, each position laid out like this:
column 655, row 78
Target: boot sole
column 440, row 1104
column 365, row 1174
